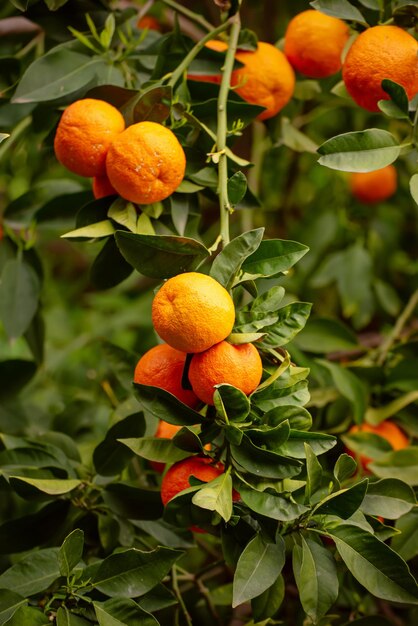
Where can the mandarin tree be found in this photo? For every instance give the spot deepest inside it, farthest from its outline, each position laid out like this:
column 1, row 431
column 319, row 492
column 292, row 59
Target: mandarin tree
column 174, row 426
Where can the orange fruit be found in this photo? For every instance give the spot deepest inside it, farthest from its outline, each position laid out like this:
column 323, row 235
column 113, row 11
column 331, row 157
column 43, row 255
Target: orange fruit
column 225, row 363
column 150, row 22
column 388, row 430
column 192, row 312
column 163, row 366
column 372, row 187
column 164, row 431
column 84, row 133
column 314, row 43
column 267, row 79
column 102, row 187
column 145, row 163
column 380, row 52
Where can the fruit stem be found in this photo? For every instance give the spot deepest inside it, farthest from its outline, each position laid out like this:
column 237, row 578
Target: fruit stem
column 194, row 17
column 222, row 128
column 178, row 72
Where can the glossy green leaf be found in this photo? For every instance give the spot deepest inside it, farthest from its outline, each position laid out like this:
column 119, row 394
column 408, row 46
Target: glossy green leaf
column 9, row 604
column 154, row 449
column 132, row 502
column 316, row 578
column 344, row 467
column 290, row 321
column 216, row 496
column 160, row 256
column 343, row 503
column 152, row 104
column 110, row 457
column 132, row 573
column 32, row 574
column 376, row 566
column 65, row 617
column 390, row 498
column 322, row 335
column 342, row 9
column 360, row 151
column 295, row 444
column 413, row 187
column 272, row 257
column 231, row 403
column 122, row 612
column 237, row 186
column 273, row 506
column 51, row 487
column 109, row 268
column 19, row 296
column 228, row 262
column 258, row 568
column 313, row 473
column 262, row 462
column 71, row 551
column 401, row 464
column 268, row 603
column 406, row 543
column 397, row 106
column 15, row 374
column 28, row 616
column 163, row 405
column 104, row 228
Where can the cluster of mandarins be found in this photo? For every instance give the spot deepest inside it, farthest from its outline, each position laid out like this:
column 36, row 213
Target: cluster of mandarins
column 143, row 163
column 194, row 315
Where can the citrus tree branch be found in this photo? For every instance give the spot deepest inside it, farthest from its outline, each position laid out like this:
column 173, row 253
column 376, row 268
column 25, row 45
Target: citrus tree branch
column 222, row 128
column 382, row 352
column 194, row 17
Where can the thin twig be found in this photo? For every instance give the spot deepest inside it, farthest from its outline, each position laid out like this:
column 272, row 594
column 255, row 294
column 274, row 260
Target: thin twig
column 382, row 352
column 194, row 17
column 179, row 597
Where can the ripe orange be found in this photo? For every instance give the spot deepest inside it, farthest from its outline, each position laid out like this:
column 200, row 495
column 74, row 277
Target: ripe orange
column 267, row 78
column 84, row 133
column 162, row 366
column 102, row 187
column 380, row 52
column 225, row 363
column 164, row 431
column 388, row 430
column 192, row 312
column 177, row 477
column 150, row 22
column 145, row 163
column 372, row 187
column 314, row 43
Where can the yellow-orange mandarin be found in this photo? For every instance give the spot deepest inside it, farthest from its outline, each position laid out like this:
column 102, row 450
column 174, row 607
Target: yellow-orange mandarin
column 314, row 43
column 150, row 22
column 162, row 366
column 239, row 366
column 388, row 430
column 192, row 312
column 267, row 78
column 380, row 52
column 376, row 186
column 84, row 133
column 145, row 163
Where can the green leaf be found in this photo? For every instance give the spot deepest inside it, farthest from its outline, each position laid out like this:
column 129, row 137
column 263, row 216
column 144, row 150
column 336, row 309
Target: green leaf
column 268, row 603
column 295, row 445
column 342, row 9
column 28, row 616
column 398, row 105
column 316, row 578
column 32, row 574
column 19, row 296
column 71, row 552
column 313, row 473
column 263, row 462
column 132, row 502
column 133, row 572
column 376, row 566
column 110, row 457
column 273, row 506
column 413, row 187
column 154, row 449
column 60, row 73
column 109, row 268
column 160, row 256
column 153, row 105
column 322, row 335
column 9, row 604
column 66, row 618
column 344, row 467
column 3, row 136
column 360, row 151
column 15, row 374
column 270, row 438
column 290, row 321
column 258, row 568
column 295, row 139
column 104, row 228
column 271, row 258
column 391, row 498
column 401, row 464
column 228, row 262
column 343, row 503
column 123, row 213
column 231, row 403
column 349, row 386
column 406, row 543
column 122, row 612
column 216, row 496
column 237, row 187
column 163, row 405
column 51, row 487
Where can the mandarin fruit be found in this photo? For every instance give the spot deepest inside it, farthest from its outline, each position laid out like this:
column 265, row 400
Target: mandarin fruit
column 192, row 312
column 376, row 186
column 380, row 52
column 388, row 430
column 314, row 43
column 84, row 133
column 102, row 187
column 145, row 163
column 239, row 366
column 162, row 366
